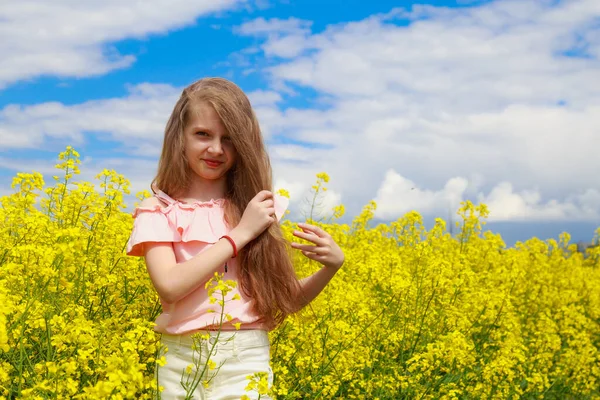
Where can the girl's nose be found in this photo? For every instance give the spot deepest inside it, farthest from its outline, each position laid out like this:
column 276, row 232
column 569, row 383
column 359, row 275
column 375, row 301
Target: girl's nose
column 216, row 147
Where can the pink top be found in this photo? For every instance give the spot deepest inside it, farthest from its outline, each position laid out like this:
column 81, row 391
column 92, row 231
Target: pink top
column 193, row 228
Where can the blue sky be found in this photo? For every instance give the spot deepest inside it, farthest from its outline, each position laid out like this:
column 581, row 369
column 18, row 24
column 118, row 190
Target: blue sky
column 416, row 105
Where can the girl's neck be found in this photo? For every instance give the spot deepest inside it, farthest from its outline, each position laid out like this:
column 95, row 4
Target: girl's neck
column 203, row 190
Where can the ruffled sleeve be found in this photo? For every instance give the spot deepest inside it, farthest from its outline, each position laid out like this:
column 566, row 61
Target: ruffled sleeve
column 181, row 222
column 149, row 225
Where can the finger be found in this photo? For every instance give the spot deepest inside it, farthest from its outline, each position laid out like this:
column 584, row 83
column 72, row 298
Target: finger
column 309, row 248
column 311, row 237
column 315, row 229
column 314, row 256
column 263, row 195
column 268, row 203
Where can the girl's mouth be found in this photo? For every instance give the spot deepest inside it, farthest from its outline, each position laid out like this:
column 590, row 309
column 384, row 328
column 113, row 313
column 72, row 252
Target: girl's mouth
column 213, row 164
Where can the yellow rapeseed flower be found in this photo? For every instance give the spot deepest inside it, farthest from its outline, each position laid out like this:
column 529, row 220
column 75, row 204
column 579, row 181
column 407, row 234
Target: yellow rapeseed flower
column 414, row 312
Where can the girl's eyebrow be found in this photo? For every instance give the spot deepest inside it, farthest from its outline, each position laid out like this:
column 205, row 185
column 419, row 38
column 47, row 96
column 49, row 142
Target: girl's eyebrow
column 201, row 129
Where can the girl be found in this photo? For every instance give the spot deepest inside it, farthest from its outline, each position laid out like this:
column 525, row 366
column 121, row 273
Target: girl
column 213, row 211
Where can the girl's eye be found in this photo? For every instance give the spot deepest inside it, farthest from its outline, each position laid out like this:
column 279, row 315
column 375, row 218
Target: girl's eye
column 201, row 133
column 227, row 138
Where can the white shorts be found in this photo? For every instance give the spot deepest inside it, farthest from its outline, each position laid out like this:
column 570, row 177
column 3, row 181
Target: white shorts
column 236, row 355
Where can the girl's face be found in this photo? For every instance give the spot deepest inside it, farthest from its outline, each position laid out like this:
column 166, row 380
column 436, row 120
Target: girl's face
column 208, row 147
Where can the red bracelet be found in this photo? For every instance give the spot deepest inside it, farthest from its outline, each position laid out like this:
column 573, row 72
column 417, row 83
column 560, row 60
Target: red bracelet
column 232, row 244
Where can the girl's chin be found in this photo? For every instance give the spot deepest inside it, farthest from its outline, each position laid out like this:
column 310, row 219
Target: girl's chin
column 211, row 174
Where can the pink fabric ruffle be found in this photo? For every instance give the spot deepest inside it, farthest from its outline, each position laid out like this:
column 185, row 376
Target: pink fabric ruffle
column 183, row 222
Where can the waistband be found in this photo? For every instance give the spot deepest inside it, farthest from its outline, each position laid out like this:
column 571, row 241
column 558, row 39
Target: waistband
column 238, row 339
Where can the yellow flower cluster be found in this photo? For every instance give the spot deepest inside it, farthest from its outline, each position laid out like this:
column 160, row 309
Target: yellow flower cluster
column 258, row 382
column 203, row 349
column 413, row 313
column 417, row 313
column 75, row 312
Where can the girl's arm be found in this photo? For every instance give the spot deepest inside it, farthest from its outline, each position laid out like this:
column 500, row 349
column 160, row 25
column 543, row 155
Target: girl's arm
column 174, row 281
column 326, row 251
column 314, row 284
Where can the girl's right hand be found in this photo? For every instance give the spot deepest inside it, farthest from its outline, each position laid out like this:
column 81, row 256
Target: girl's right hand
column 258, row 216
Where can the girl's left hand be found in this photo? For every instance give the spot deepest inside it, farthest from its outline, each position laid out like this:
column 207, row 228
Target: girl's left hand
column 326, row 251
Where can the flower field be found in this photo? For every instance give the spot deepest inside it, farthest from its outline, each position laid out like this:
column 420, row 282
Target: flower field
column 412, row 314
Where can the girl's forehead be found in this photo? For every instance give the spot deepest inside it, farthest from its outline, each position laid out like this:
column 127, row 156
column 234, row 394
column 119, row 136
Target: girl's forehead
column 202, row 114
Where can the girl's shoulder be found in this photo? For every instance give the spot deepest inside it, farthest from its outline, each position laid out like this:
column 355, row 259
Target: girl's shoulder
column 151, row 202
column 153, row 205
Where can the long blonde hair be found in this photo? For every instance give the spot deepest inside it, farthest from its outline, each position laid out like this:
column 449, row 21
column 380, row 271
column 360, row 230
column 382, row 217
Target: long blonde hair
column 266, row 273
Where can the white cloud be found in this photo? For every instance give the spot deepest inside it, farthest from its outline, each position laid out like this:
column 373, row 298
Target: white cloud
column 398, row 195
column 264, row 97
column 324, row 206
column 527, row 205
column 471, row 103
column 19, row 165
column 452, row 54
column 286, row 38
column 501, row 92
column 60, row 38
column 290, row 153
column 295, row 189
column 261, row 26
column 137, row 120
